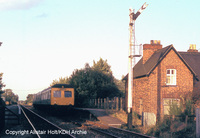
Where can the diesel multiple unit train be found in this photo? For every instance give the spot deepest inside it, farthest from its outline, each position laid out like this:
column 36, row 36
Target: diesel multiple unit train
column 56, row 95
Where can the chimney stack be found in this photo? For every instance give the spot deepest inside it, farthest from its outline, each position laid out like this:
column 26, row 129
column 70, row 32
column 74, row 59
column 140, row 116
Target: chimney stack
column 149, row 49
column 192, row 48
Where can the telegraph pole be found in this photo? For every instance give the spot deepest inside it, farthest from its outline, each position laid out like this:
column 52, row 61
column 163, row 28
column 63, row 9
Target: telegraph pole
column 132, row 55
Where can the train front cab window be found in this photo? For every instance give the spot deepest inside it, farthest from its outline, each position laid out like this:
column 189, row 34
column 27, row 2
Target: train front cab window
column 57, row 94
column 68, row 94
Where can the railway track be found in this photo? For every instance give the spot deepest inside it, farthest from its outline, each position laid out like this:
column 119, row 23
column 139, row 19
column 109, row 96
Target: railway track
column 43, row 128
column 94, row 129
column 114, row 132
column 128, row 133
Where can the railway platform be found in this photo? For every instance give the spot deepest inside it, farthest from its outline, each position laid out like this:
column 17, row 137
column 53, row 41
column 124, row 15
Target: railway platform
column 12, row 115
column 103, row 117
column 13, row 122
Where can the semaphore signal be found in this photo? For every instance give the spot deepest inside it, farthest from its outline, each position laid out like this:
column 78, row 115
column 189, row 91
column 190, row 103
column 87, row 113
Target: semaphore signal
column 133, row 53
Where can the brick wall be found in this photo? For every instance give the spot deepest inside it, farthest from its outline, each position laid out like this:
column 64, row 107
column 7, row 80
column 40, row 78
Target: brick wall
column 149, row 49
column 145, row 89
column 149, row 92
column 141, row 92
column 184, row 78
column 152, row 89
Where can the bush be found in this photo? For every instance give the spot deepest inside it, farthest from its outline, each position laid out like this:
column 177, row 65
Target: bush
column 177, row 125
column 175, row 108
column 159, row 128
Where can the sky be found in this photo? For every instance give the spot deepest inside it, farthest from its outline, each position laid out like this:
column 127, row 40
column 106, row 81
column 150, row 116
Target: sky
column 44, row 40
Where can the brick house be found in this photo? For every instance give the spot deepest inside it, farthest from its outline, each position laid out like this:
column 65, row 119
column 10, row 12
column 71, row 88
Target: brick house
column 161, row 76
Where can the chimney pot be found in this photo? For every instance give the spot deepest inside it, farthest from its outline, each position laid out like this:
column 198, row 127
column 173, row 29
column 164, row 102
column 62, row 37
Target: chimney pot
column 155, row 42
column 192, row 48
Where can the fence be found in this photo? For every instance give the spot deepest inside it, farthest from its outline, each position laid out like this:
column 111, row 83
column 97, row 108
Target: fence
column 198, row 123
column 116, row 103
column 183, row 118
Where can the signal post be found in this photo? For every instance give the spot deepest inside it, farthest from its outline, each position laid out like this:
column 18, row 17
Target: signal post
column 131, row 61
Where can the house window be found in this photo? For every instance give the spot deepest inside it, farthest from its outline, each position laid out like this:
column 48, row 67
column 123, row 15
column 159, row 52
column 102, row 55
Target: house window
column 171, row 77
column 170, row 103
column 57, row 93
column 68, row 94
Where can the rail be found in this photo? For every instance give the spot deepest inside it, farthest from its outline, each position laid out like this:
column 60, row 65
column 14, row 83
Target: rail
column 113, row 131
column 46, row 125
column 131, row 132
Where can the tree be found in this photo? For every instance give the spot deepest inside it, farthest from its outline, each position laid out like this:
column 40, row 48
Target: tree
column 120, row 85
column 109, row 90
column 92, row 82
column 10, row 96
column 61, row 80
column 1, row 83
column 105, row 68
column 1, row 86
column 29, row 99
column 102, row 66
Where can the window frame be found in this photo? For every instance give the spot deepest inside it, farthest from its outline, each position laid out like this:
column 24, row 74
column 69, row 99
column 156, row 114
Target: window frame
column 172, row 76
column 171, row 100
column 67, row 96
column 56, row 95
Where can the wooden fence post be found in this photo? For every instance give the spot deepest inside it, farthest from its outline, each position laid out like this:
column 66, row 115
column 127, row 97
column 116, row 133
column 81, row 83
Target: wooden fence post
column 101, row 103
column 98, row 103
column 112, row 103
column 186, row 120
column 90, row 103
column 117, row 103
column 104, row 103
column 121, row 107
column 197, row 122
column 173, row 117
column 107, row 103
column 95, row 103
